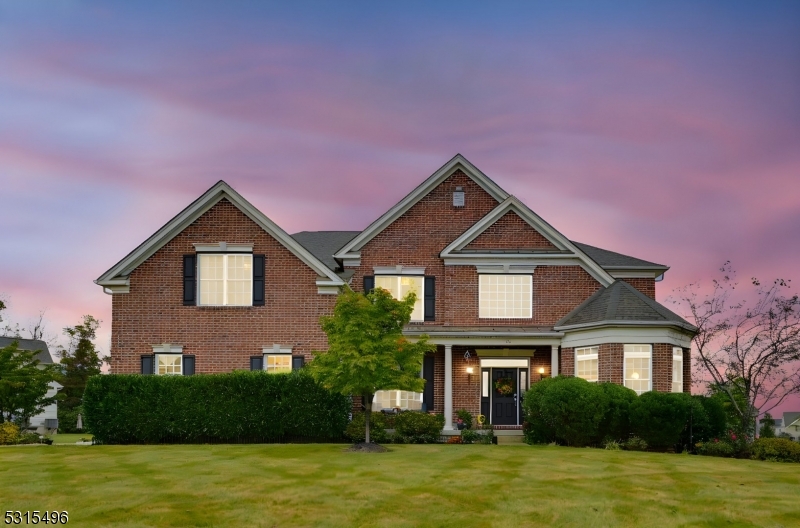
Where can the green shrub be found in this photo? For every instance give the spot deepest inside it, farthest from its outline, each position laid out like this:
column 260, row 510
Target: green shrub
column 29, row 438
column 615, row 424
column 635, row 443
column 706, row 421
column 239, row 406
column 465, row 417
column 470, row 436
column 612, row 445
column 356, row 431
column 716, row 448
column 535, row 428
column 775, row 450
column 574, row 408
column 68, row 419
column 9, row 433
column 660, row 417
column 418, row 427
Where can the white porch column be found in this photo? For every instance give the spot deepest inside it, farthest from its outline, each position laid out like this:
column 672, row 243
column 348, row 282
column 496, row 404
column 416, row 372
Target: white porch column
column 448, row 387
column 554, row 361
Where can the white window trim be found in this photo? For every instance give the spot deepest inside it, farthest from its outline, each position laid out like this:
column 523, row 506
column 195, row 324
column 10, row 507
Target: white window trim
column 399, row 270
column 588, row 357
column 626, row 355
column 530, row 296
column 198, row 295
column 223, row 247
column 677, row 355
column 420, row 297
column 275, row 350
column 180, row 364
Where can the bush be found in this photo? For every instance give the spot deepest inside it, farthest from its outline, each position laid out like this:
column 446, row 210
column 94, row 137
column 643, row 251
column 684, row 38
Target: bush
column 356, row 429
column 234, row 407
column 574, row 408
column 535, row 429
column 612, row 445
column 635, row 443
column 418, row 427
column 485, row 436
column 29, row 438
column 9, row 433
column 716, row 448
column 660, row 417
column 615, row 424
column 68, row 419
column 465, row 417
column 775, row 450
column 706, row 421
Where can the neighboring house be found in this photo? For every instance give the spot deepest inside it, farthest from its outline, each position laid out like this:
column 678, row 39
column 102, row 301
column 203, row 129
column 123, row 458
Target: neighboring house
column 791, row 425
column 47, row 420
column 501, row 292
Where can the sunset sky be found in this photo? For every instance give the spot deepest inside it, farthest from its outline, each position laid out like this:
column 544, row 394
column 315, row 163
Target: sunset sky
column 670, row 133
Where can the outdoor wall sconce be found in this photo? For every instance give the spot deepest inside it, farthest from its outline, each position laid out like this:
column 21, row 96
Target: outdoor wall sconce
column 541, row 370
column 470, row 372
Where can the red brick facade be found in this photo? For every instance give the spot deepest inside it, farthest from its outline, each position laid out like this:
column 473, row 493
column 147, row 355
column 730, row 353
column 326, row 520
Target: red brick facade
column 644, row 285
column 510, row 232
column 221, row 338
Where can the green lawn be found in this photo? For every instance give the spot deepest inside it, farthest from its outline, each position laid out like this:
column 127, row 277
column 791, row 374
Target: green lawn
column 428, row 485
column 69, row 439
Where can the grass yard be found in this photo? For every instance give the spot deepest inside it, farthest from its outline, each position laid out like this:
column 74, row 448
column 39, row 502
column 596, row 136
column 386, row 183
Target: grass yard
column 425, row 485
column 69, row 439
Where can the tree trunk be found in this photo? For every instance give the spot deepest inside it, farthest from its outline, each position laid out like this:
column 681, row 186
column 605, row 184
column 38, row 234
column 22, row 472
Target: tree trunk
column 367, row 413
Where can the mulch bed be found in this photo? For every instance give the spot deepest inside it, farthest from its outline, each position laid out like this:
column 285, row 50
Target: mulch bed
column 363, row 447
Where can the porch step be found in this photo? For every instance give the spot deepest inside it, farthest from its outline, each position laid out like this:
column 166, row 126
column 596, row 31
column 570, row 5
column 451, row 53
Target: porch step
column 509, row 439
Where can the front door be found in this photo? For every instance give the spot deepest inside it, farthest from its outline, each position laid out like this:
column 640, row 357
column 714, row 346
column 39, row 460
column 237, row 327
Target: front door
column 504, row 396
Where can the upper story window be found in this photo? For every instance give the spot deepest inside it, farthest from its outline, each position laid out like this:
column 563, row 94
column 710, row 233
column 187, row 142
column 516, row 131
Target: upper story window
column 677, row 369
column 505, row 296
column 400, row 286
column 225, row 279
column 586, row 363
column 169, row 364
column 638, row 367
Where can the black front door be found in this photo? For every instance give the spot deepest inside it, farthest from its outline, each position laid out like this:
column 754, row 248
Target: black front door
column 504, row 396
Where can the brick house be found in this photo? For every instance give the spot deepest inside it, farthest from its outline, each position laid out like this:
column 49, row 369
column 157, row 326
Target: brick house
column 506, row 298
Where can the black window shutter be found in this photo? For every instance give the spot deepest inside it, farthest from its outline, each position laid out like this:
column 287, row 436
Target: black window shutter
column 427, row 373
column 258, row 280
column 369, row 283
column 298, row 362
column 430, row 298
column 189, row 280
column 256, row 362
column 188, row 365
column 147, row 364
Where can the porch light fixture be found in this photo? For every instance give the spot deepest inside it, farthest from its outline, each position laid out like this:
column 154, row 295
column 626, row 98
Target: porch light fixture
column 541, row 370
column 470, row 370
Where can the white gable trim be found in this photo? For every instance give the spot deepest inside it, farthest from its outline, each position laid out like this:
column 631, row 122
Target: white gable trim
column 568, row 253
column 117, row 278
column 459, row 162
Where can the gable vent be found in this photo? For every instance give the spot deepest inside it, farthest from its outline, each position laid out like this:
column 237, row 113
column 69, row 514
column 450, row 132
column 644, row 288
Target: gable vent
column 458, row 197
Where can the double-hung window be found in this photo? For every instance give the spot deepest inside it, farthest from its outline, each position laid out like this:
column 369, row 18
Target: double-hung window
column 638, row 367
column 225, row 279
column 586, row 363
column 397, row 399
column 505, row 296
column 677, row 369
column 400, row 286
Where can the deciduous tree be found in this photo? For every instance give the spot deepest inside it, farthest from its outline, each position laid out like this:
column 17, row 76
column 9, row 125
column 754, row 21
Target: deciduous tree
column 367, row 351
column 24, row 383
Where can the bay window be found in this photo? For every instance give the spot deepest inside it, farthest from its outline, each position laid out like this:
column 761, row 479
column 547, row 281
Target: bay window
column 586, row 363
column 505, row 296
column 677, row 369
column 638, row 367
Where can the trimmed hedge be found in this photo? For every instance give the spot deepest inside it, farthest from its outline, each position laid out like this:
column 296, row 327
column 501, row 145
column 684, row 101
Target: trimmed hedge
column 659, row 418
column 239, row 406
column 418, row 427
column 775, row 450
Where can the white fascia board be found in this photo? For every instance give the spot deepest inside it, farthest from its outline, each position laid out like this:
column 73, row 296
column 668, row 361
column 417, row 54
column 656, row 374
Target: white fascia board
column 328, row 287
column 196, row 209
column 447, row 170
column 474, row 341
column 630, row 335
column 629, row 273
column 536, row 222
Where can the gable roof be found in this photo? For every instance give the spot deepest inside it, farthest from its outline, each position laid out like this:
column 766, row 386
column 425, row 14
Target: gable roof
column 613, row 260
column 566, row 249
column 118, row 276
column 323, row 244
column 620, row 304
column 458, row 162
column 791, row 419
column 43, row 356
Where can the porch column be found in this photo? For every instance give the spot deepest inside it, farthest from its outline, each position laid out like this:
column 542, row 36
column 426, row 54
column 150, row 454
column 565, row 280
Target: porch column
column 554, row 361
column 448, row 387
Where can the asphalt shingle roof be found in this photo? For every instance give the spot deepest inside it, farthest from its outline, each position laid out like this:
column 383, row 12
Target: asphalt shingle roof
column 621, row 303
column 43, row 356
column 608, row 258
column 323, row 244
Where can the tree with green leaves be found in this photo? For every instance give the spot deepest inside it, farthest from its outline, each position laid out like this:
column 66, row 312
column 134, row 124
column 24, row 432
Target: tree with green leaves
column 367, row 350
column 80, row 361
column 767, row 426
column 24, row 383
